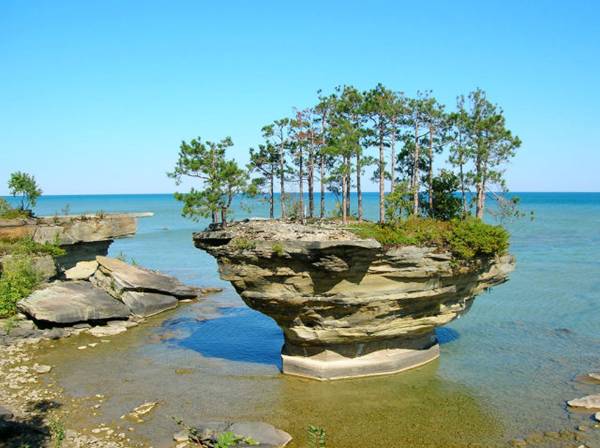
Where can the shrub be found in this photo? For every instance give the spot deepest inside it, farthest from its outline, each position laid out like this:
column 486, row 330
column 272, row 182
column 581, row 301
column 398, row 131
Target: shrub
column 472, row 237
column 26, row 246
column 19, row 279
column 243, row 244
column 7, row 212
column 466, row 239
column 278, row 249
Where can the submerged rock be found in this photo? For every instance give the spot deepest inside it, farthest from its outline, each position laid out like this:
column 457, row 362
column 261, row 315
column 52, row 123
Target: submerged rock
column 71, row 302
column 348, row 306
column 145, row 304
column 260, row 434
column 588, row 402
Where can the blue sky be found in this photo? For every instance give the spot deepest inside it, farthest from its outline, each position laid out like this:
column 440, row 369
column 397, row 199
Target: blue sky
column 97, row 95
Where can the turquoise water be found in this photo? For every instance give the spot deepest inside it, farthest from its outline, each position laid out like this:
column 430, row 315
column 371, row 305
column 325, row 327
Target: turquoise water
column 514, row 356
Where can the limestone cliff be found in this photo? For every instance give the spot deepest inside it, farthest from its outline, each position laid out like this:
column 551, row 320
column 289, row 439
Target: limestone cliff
column 347, row 306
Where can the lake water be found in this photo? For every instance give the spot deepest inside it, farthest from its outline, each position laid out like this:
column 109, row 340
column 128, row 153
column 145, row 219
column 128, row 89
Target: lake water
column 505, row 371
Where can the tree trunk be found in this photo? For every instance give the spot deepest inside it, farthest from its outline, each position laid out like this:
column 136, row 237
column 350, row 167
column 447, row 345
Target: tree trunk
column 215, row 217
column 462, row 188
column 381, row 176
column 224, row 216
column 311, row 183
column 301, row 187
column 430, row 198
column 358, row 188
column 393, row 156
column 480, row 186
column 415, row 179
column 344, row 200
column 272, row 194
column 282, row 181
column 322, row 174
column 348, row 185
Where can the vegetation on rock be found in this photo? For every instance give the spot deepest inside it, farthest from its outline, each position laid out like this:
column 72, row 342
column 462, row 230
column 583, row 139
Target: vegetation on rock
column 19, row 278
column 27, row 246
column 465, row 239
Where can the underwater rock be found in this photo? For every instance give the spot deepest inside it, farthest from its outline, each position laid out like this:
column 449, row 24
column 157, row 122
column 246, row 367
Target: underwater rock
column 587, row 402
column 347, row 306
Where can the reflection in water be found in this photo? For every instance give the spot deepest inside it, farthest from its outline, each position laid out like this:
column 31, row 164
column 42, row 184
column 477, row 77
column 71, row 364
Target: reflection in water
column 240, row 334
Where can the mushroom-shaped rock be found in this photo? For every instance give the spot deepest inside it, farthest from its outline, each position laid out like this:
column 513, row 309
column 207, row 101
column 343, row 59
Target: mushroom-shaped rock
column 347, row 306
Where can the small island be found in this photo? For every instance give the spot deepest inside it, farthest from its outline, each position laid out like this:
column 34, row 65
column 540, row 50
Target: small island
column 348, row 305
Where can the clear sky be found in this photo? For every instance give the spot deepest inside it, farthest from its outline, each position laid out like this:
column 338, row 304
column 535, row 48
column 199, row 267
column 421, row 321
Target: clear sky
column 97, row 95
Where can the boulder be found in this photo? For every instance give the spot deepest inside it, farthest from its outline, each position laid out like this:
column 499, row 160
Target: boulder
column 122, row 277
column 71, row 302
column 587, row 402
column 82, row 270
column 597, row 416
column 261, row 432
column 264, row 434
column 145, row 304
column 348, row 306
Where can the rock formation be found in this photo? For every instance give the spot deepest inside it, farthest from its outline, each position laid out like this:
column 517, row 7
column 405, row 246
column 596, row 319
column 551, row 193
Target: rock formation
column 82, row 236
column 103, row 290
column 347, row 306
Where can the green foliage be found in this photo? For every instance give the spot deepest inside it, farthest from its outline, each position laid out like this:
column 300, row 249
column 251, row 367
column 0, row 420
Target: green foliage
column 24, row 185
column 27, row 246
column 446, row 204
column 398, row 203
column 7, row 212
column 278, row 249
column 243, row 244
column 317, row 437
column 472, row 237
column 57, row 432
column 19, row 278
column 221, row 179
column 466, row 239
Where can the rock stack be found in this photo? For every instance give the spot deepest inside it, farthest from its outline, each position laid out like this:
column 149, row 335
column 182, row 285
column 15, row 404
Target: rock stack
column 347, row 306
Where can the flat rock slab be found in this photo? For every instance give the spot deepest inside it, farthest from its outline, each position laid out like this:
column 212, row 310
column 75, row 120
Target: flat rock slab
column 145, row 304
column 594, row 376
column 70, row 302
column 82, row 270
column 588, row 402
column 127, row 277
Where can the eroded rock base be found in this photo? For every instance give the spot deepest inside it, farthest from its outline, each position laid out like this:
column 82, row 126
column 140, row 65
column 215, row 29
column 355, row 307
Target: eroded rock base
column 359, row 360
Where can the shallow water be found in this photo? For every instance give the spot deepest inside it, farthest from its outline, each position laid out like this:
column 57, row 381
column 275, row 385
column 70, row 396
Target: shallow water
column 506, row 367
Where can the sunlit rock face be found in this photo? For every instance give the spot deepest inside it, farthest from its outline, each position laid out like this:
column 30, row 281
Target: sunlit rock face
column 347, row 306
column 83, row 237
